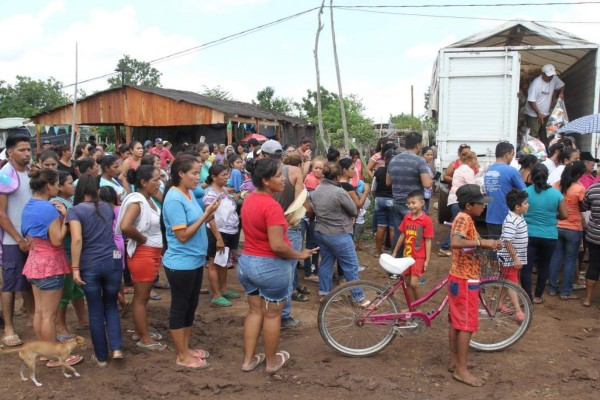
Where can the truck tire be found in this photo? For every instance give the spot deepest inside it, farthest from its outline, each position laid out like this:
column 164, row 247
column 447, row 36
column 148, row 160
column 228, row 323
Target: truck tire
column 444, row 213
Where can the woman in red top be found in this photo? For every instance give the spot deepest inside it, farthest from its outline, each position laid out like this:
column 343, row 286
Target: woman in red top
column 264, row 269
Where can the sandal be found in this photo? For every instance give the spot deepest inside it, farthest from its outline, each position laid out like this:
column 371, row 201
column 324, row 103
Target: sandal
column 221, row 302
column 154, row 335
column 73, row 359
column 154, row 296
column 257, row 360
column 444, row 253
column 303, row 289
column 285, row 356
column 569, row 297
column 199, row 353
column 99, row 363
column 12, row 340
column 299, row 297
column 504, row 310
column 151, row 346
column 197, row 365
column 538, row 300
column 586, row 303
column 65, row 338
column 520, row 317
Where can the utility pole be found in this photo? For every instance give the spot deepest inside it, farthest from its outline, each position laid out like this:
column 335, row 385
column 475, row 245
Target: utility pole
column 316, row 54
column 412, row 101
column 123, row 70
column 75, row 135
column 339, row 82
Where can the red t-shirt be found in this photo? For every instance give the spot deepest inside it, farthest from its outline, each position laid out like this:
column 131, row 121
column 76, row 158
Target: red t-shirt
column 260, row 211
column 415, row 232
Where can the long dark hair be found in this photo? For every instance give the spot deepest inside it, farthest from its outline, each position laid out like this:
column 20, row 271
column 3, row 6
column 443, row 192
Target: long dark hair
column 214, row 170
column 539, row 177
column 182, row 163
column 39, row 178
column 87, row 186
column 142, row 173
column 570, row 175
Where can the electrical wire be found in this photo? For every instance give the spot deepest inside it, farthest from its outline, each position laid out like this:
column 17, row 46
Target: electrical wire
column 554, row 3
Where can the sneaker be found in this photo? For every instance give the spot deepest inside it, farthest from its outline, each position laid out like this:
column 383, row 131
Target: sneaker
column 290, row 322
column 577, row 286
column 221, row 302
column 422, row 281
column 361, row 267
column 312, row 278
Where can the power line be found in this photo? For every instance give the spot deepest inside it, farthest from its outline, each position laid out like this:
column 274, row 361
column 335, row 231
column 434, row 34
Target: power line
column 358, row 8
column 463, row 17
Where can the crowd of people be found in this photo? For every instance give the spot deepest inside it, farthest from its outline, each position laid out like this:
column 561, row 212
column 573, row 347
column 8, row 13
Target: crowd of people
column 98, row 225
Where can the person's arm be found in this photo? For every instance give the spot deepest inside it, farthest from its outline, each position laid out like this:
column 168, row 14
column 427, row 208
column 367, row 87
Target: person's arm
column 426, row 180
column 562, row 210
column 170, row 157
column 184, row 234
column 215, row 231
column 388, row 178
column 513, row 254
column 123, row 177
column 448, row 173
column 76, row 245
column 305, row 168
column 427, row 253
column 127, row 226
column 281, row 249
column 459, row 242
column 295, row 175
column 347, row 203
column 58, row 228
column 8, row 226
column 399, row 244
column 369, row 168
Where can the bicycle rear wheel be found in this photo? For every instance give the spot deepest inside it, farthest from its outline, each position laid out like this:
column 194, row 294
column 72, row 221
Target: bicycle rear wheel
column 340, row 324
column 500, row 324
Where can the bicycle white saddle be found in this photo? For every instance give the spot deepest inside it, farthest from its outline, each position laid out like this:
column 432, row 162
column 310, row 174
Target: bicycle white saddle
column 395, row 265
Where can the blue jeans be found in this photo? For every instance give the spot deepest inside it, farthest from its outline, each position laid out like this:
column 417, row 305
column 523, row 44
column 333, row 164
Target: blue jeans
column 383, row 211
column 102, row 284
column 565, row 252
column 539, row 252
column 340, row 247
column 454, row 209
column 398, row 213
column 268, row 277
column 295, row 236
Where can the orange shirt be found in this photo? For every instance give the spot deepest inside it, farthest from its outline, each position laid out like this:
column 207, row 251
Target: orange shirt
column 573, row 198
column 464, row 265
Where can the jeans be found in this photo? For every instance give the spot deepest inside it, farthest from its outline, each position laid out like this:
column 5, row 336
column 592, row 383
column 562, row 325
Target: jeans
column 567, row 250
column 102, row 284
column 454, row 209
column 398, row 213
column 383, row 211
column 308, row 228
column 340, row 247
column 295, row 236
column 539, row 252
column 264, row 276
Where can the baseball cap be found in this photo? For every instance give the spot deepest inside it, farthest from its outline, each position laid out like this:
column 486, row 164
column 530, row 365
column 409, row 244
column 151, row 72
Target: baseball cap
column 46, row 142
column 147, row 143
column 272, row 148
column 587, row 156
column 549, row 70
column 471, row 193
column 158, row 140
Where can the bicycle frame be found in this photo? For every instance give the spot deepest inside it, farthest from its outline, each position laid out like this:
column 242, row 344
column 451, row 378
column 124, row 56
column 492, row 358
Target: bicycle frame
column 391, row 318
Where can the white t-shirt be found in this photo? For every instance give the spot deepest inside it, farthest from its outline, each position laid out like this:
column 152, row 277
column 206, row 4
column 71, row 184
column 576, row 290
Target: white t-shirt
column 555, row 175
column 541, row 93
column 154, row 234
column 15, row 204
column 550, row 165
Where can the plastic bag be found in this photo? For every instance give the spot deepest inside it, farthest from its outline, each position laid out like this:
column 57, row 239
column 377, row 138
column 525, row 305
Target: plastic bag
column 558, row 118
column 531, row 145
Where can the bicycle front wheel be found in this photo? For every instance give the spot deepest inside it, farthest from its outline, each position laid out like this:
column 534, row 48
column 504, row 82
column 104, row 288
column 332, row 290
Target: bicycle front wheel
column 341, row 324
column 505, row 314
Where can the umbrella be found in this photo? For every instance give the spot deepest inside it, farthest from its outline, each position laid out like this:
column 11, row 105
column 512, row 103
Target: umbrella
column 256, row 136
column 583, row 125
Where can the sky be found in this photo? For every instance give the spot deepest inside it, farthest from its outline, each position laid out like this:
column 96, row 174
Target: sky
column 381, row 54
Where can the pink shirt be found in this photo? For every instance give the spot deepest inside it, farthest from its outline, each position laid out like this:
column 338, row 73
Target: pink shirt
column 164, row 155
column 462, row 175
column 587, row 180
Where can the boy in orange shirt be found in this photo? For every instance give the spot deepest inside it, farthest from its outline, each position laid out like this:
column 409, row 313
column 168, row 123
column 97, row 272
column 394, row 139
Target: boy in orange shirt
column 464, row 280
column 416, row 232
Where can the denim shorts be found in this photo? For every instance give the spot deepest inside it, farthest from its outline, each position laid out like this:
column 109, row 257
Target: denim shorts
column 54, row 282
column 383, row 211
column 270, row 277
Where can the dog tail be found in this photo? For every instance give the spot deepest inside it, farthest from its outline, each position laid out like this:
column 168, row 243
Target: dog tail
column 4, row 349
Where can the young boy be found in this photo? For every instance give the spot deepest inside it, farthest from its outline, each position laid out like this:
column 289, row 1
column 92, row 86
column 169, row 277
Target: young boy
column 464, row 280
column 416, row 232
column 513, row 254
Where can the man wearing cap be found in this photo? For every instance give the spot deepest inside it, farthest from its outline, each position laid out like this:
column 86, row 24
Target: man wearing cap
column 162, row 152
column 539, row 99
column 294, row 185
column 46, row 145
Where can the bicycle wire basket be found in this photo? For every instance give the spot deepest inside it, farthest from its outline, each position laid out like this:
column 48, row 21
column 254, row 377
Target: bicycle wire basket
column 489, row 264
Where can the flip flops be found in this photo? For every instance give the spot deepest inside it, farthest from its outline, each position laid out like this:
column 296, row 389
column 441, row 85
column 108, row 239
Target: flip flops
column 257, row 360
column 197, row 365
column 12, row 340
column 151, row 346
column 154, row 335
column 284, row 356
column 73, row 359
column 299, row 297
column 64, row 338
column 199, row 353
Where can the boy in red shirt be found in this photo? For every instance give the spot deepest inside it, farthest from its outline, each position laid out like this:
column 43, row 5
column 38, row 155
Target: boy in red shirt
column 464, row 280
column 416, row 232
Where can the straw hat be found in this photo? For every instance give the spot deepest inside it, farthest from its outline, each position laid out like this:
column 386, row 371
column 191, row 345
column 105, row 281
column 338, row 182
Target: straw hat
column 296, row 210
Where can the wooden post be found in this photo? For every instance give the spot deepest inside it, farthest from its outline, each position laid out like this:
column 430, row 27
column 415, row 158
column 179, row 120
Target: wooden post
column 257, row 126
column 127, row 134
column 117, row 136
column 38, row 138
column 278, row 133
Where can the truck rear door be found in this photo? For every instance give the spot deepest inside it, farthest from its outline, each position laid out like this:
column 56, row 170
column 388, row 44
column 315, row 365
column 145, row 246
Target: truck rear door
column 478, row 101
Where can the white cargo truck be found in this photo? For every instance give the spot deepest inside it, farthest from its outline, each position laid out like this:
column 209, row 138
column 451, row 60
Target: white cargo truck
column 475, row 88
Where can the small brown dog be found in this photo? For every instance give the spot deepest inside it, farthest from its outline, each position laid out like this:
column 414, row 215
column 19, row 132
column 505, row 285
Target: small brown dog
column 30, row 351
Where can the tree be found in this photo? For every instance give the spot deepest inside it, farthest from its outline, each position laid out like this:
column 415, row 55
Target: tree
column 28, row 97
column 406, row 121
column 266, row 98
column 217, row 92
column 137, row 72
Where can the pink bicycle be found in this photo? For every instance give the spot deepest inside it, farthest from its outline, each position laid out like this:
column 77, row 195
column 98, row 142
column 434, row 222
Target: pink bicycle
column 361, row 318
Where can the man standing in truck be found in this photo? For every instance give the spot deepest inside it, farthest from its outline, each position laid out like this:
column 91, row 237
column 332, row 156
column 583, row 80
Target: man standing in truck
column 541, row 93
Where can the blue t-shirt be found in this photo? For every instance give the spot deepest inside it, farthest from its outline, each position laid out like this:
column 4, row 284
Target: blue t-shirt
column 180, row 211
column 37, row 217
column 235, row 180
column 405, row 170
column 542, row 217
column 96, row 231
column 199, row 195
column 498, row 180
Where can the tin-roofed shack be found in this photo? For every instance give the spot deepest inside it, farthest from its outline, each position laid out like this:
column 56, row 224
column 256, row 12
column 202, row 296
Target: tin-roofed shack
column 142, row 113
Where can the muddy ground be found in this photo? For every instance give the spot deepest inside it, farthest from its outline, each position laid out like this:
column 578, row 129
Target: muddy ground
column 558, row 358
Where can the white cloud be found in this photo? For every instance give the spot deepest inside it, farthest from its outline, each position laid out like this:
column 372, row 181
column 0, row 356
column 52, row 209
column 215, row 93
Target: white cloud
column 221, row 6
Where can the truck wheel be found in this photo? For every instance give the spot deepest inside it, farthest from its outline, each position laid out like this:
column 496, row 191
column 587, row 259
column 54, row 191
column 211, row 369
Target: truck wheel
column 444, row 213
